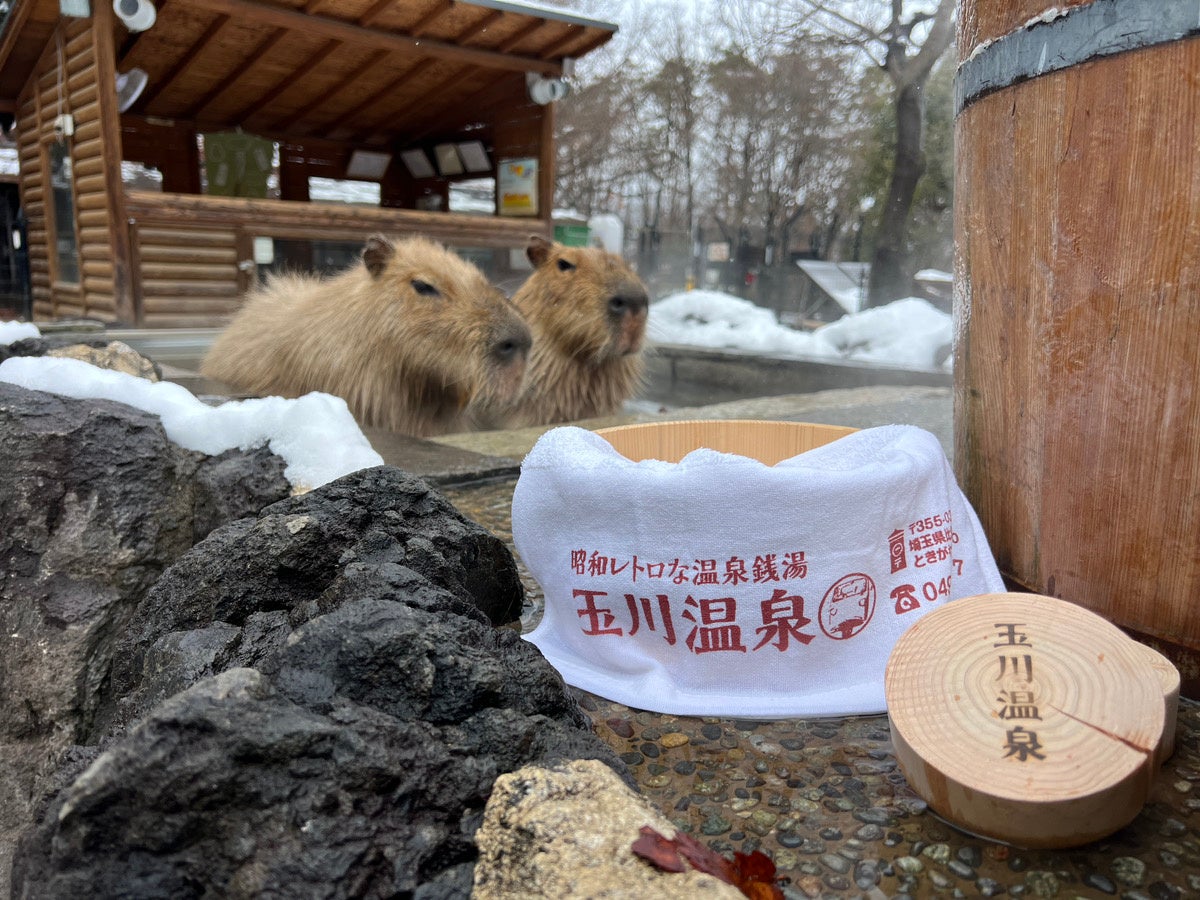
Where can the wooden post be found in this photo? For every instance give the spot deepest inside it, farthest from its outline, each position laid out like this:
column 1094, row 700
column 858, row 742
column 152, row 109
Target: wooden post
column 546, row 164
column 103, row 27
column 1077, row 218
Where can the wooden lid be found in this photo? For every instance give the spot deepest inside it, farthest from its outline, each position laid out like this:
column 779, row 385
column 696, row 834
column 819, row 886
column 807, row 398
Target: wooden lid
column 768, row 442
column 1025, row 719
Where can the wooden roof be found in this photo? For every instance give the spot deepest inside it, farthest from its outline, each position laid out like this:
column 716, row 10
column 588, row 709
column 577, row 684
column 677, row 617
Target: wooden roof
column 363, row 71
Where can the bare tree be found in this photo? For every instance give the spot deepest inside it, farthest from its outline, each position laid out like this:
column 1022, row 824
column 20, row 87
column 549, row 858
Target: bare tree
column 787, row 123
column 891, row 42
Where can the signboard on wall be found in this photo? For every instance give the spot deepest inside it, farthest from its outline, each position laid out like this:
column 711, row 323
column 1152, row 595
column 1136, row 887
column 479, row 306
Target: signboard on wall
column 517, row 187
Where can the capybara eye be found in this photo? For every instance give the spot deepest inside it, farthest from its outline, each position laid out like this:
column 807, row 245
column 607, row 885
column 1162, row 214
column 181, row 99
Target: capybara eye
column 565, row 266
column 425, row 289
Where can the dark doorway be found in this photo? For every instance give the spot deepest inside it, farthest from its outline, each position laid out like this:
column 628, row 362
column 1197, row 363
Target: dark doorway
column 14, row 256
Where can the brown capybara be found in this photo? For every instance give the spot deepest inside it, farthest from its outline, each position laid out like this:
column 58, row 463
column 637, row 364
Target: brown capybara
column 587, row 310
column 410, row 336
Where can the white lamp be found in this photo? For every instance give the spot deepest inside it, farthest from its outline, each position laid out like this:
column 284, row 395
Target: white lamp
column 138, row 15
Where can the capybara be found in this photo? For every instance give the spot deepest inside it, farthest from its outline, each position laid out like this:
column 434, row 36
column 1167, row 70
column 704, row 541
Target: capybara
column 409, row 336
column 587, row 310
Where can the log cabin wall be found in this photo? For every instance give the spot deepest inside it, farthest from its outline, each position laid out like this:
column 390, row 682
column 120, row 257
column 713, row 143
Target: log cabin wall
column 194, row 253
column 66, row 83
column 320, row 81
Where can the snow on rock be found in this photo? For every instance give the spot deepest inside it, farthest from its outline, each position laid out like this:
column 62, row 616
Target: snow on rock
column 11, row 332
column 315, row 434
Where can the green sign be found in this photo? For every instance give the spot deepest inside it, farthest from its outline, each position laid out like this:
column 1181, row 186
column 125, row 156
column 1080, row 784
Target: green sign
column 572, row 235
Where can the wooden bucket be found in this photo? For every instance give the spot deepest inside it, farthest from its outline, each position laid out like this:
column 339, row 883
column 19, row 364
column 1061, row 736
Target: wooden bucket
column 768, row 442
column 1077, row 292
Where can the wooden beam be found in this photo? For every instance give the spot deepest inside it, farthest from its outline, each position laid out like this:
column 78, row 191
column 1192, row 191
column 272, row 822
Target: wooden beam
column 349, row 114
column 598, row 41
column 255, row 56
column 574, row 32
column 284, row 18
column 514, row 40
column 162, row 82
column 406, row 111
column 485, row 98
column 485, row 22
column 435, row 13
column 367, row 19
column 344, row 82
column 465, row 72
column 310, row 65
column 132, row 37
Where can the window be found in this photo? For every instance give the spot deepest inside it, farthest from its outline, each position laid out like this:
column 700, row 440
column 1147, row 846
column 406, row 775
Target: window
column 65, row 246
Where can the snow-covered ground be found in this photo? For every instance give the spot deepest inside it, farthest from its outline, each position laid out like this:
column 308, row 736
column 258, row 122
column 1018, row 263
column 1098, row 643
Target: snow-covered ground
column 910, row 333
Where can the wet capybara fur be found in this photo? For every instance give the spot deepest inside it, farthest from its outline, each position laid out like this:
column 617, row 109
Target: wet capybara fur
column 410, row 337
column 587, row 310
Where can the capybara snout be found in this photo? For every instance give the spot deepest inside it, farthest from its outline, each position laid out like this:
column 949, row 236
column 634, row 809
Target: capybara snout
column 627, row 309
column 410, row 336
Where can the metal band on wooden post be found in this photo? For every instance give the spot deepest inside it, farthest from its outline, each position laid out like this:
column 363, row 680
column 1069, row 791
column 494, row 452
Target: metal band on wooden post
column 1060, row 38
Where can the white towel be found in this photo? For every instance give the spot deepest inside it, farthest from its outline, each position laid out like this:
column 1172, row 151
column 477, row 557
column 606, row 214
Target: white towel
column 721, row 586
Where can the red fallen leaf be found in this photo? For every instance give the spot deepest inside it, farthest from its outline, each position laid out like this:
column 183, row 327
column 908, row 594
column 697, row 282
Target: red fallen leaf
column 659, row 850
column 755, row 876
column 704, row 858
column 751, row 873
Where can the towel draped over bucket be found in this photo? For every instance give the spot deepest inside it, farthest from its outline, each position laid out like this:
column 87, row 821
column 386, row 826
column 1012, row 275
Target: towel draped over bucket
column 721, row 586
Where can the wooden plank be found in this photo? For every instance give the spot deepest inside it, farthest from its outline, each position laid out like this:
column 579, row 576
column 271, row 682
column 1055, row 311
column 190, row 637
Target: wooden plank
column 89, row 184
column 154, row 253
column 86, row 169
column 275, row 217
column 83, row 101
column 99, row 293
column 91, row 202
column 88, row 131
column 170, row 287
column 181, row 240
column 1077, row 422
column 236, row 74
column 184, row 272
column 98, row 268
column 82, row 81
column 189, row 306
column 185, row 320
column 167, row 78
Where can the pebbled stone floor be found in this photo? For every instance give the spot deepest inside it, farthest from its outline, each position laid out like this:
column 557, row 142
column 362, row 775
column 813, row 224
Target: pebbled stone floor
column 824, row 798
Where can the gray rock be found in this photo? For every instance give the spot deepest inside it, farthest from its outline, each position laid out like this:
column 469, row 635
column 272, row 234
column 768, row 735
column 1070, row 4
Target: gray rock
column 374, row 533
column 95, row 503
column 311, row 701
column 356, row 764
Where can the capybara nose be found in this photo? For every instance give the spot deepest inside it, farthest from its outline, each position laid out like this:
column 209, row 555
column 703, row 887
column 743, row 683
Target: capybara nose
column 629, row 301
column 512, row 345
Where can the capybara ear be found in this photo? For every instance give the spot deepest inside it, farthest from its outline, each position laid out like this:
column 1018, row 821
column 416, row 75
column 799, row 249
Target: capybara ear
column 538, row 250
column 377, row 254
